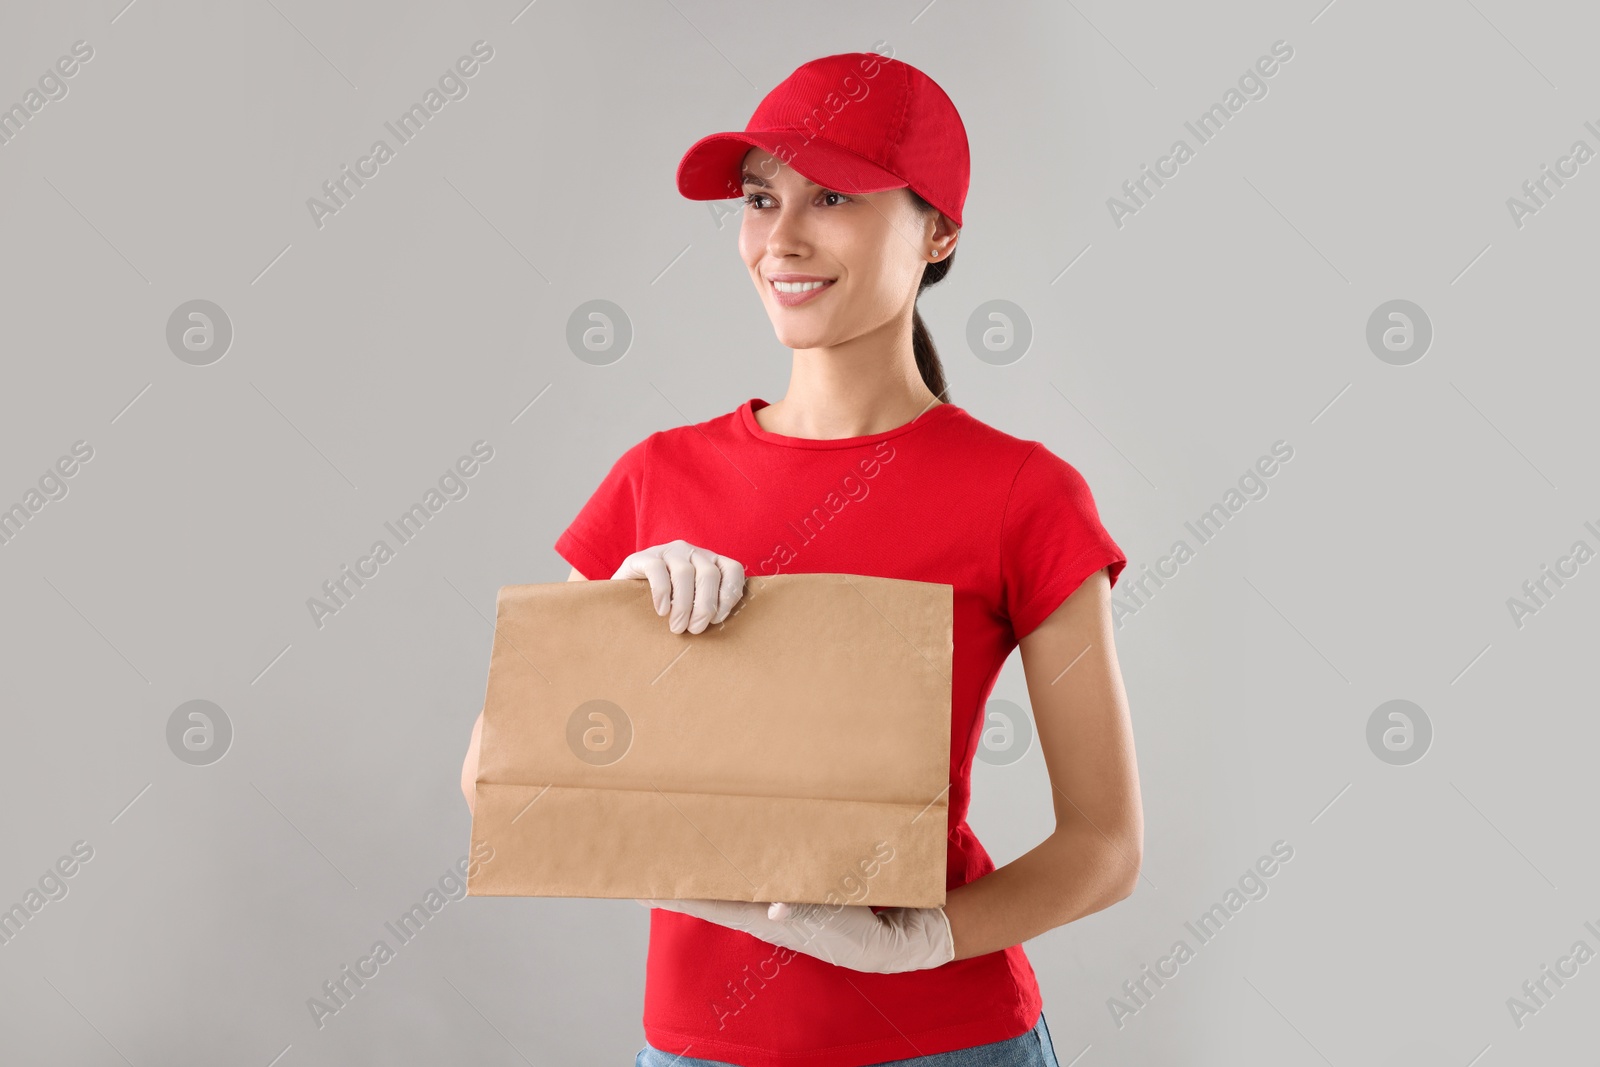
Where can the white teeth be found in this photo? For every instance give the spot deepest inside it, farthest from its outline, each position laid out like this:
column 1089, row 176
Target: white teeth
column 797, row 287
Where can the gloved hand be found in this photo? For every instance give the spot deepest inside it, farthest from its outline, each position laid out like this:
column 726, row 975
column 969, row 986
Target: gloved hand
column 698, row 586
column 846, row 935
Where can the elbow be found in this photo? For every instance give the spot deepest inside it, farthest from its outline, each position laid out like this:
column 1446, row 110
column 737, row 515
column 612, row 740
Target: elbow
column 1127, row 859
column 1128, row 884
column 469, row 765
column 1108, row 869
column 469, row 779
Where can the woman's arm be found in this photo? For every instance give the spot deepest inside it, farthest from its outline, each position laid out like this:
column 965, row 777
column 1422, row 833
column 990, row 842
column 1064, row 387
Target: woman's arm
column 1091, row 860
column 469, row 766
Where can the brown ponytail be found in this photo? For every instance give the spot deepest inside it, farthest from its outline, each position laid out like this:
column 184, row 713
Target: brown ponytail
column 922, row 348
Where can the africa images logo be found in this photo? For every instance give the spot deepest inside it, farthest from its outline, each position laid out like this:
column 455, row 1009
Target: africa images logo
column 339, row 991
column 810, row 525
column 341, row 189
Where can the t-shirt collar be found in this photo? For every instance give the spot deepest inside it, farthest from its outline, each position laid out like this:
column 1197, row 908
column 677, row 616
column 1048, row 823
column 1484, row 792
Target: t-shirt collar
column 747, row 415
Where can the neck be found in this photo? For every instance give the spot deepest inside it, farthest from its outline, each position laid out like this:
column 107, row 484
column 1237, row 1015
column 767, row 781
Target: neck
column 861, row 387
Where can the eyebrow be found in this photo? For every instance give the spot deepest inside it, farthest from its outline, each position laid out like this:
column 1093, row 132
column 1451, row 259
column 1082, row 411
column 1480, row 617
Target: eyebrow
column 746, row 178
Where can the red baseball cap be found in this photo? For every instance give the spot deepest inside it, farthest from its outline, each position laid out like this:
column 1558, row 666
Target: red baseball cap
column 857, row 122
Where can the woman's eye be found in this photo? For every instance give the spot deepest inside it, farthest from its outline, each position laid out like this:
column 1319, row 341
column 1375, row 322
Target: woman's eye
column 751, row 199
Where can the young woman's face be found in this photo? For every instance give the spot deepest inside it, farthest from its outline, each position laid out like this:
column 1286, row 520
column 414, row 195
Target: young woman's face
column 868, row 248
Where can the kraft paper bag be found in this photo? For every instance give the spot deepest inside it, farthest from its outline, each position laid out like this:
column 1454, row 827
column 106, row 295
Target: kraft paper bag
column 797, row 751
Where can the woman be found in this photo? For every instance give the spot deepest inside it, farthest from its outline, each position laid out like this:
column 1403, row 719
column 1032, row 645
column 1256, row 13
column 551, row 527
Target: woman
column 854, row 172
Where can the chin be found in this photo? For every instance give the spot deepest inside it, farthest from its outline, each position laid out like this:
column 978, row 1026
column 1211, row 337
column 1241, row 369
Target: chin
column 798, row 339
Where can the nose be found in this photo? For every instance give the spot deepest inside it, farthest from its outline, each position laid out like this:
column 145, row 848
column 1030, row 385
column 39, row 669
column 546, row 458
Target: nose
column 789, row 232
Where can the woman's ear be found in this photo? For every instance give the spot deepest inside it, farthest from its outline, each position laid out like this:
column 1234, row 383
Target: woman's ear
column 942, row 236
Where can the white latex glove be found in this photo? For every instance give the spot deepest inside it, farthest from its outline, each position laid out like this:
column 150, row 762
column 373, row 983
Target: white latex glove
column 698, row 586
column 847, row 935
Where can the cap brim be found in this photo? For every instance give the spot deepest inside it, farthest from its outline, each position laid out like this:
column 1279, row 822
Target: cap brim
column 710, row 169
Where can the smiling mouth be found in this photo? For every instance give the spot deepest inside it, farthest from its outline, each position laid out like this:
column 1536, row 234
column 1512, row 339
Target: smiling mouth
column 794, row 294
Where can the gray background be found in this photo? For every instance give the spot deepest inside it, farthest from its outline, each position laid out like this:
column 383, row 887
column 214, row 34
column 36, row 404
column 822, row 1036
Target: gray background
column 1229, row 313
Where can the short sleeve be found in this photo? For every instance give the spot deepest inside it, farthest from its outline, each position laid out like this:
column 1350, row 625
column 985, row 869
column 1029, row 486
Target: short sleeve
column 1051, row 539
column 606, row 530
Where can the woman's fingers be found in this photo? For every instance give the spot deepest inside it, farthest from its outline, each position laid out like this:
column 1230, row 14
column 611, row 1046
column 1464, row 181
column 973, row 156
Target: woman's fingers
column 730, row 586
column 719, row 583
column 707, row 589
column 654, row 569
column 695, row 587
column 681, row 567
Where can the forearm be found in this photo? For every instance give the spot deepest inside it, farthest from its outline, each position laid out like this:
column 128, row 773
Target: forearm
column 469, row 766
column 1070, row 874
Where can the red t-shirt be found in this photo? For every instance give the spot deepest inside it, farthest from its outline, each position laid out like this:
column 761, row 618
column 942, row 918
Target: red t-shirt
column 944, row 498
